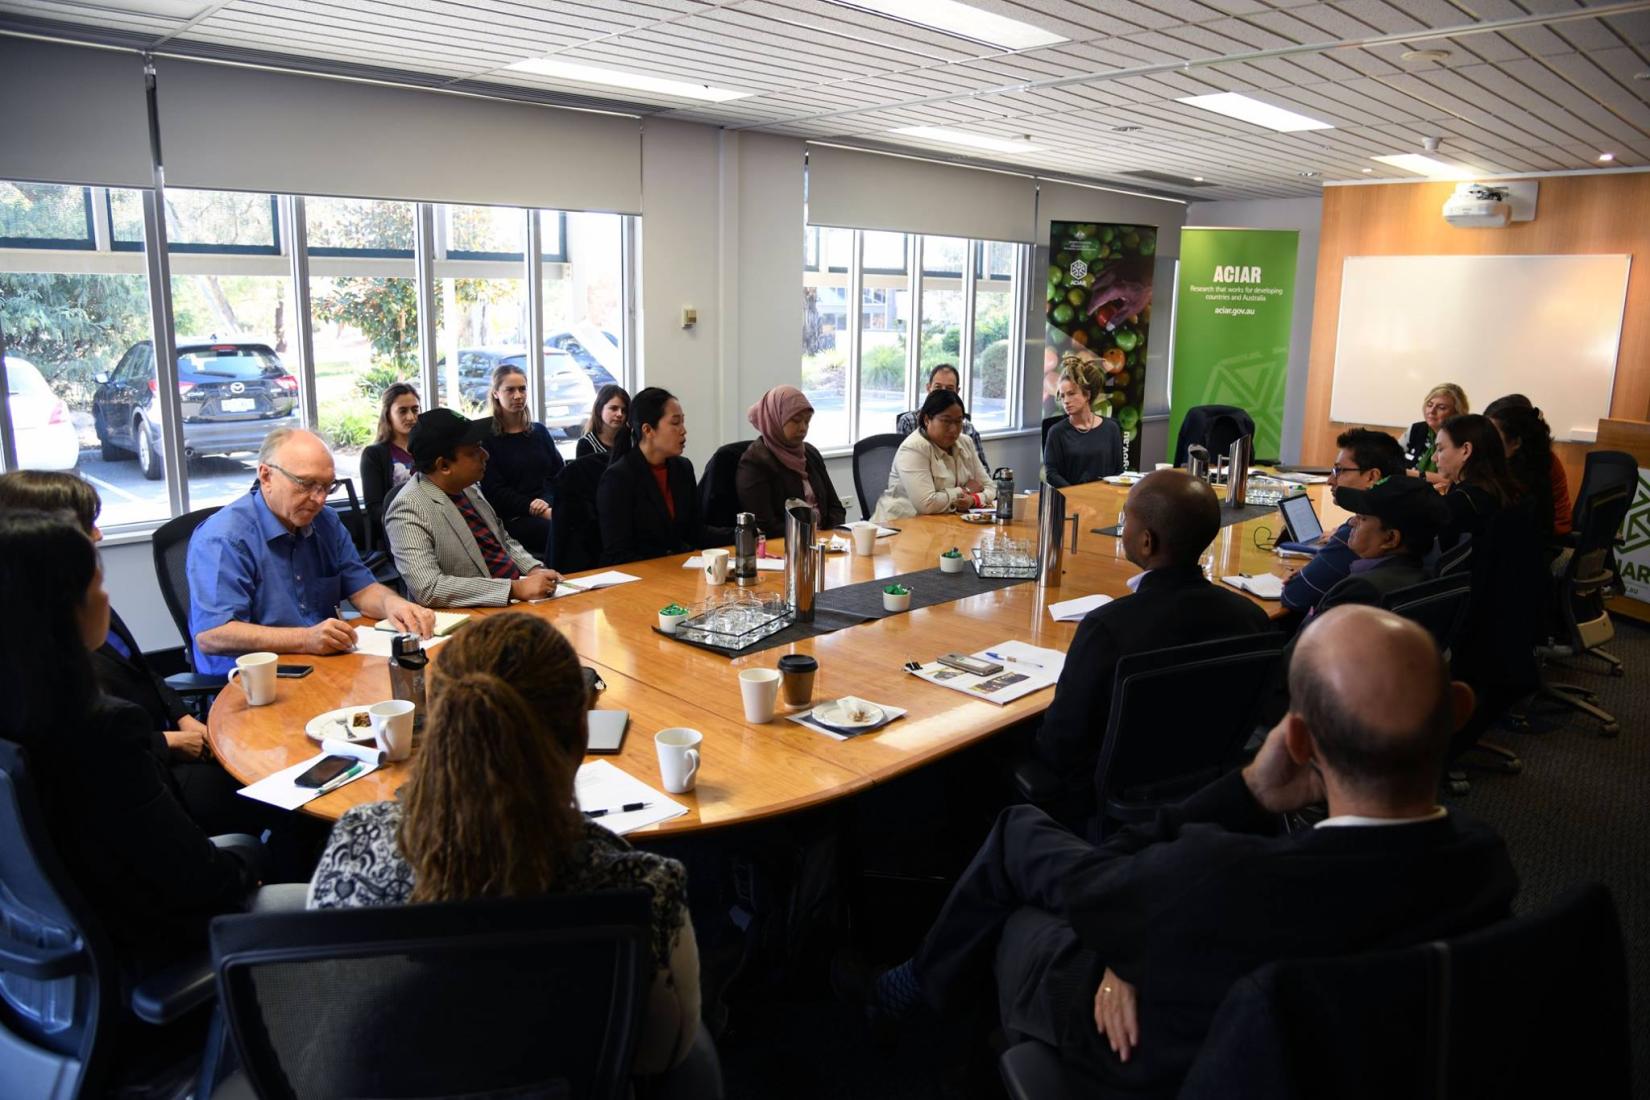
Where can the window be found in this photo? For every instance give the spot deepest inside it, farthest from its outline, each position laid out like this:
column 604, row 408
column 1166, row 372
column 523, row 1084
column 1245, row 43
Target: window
column 861, row 370
column 481, row 323
column 78, row 360
column 585, row 329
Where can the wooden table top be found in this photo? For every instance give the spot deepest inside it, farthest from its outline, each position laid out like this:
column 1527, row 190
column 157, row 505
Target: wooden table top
column 749, row 772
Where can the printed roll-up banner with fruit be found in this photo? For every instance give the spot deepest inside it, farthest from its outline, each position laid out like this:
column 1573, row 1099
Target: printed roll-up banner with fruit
column 1233, row 310
column 1100, row 308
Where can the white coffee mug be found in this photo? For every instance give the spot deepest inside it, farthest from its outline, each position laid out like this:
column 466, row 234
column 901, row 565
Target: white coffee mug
column 256, row 672
column 678, row 757
column 760, row 687
column 392, row 724
column 865, row 537
column 716, row 566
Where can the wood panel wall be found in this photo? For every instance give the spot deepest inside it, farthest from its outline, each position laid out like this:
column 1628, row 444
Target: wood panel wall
column 1574, row 214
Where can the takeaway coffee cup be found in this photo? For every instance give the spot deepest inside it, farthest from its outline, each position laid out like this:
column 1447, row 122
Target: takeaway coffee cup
column 760, row 688
column 256, row 673
column 392, row 724
column 678, row 749
column 797, row 672
column 716, row 566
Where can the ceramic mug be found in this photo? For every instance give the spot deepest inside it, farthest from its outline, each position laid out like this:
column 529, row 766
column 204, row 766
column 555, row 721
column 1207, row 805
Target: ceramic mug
column 256, row 673
column 678, row 749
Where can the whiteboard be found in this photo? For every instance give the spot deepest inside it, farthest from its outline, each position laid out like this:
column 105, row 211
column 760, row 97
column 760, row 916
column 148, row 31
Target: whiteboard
column 1544, row 326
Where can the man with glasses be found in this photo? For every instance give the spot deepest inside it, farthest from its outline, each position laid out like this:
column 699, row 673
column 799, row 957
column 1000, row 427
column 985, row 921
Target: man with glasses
column 942, row 377
column 270, row 571
column 1365, row 458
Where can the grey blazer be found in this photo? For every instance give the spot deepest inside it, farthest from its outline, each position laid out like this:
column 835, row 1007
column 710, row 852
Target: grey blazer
column 436, row 554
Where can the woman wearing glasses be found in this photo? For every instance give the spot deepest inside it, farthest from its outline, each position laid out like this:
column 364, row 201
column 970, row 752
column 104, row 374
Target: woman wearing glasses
column 931, row 472
column 1421, row 444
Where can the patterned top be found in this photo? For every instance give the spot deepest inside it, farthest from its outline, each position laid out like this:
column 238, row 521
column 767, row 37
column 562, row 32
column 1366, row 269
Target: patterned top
column 498, row 558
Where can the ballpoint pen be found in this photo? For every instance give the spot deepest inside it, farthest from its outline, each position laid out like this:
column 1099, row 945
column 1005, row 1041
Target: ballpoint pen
column 628, row 807
column 333, row 784
column 1012, row 660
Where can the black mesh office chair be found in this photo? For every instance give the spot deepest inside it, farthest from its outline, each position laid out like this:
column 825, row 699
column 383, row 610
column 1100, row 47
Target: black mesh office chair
column 873, row 459
column 63, row 1002
column 575, row 529
column 1468, row 1018
column 718, row 488
column 523, row 997
column 1602, row 472
column 170, row 544
column 1439, row 605
column 1048, row 423
column 1216, row 427
column 364, row 533
column 1581, row 621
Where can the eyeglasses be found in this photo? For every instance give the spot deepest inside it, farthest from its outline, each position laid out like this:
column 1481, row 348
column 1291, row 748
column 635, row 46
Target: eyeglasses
column 322, row 489
column 948, row 421
column 1337, row 471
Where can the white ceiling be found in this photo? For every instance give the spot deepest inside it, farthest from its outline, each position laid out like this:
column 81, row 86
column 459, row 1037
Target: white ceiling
column 1550, row 94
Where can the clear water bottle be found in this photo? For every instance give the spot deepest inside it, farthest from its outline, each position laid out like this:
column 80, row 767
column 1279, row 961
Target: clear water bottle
column 1004, row 478
column 744, row 549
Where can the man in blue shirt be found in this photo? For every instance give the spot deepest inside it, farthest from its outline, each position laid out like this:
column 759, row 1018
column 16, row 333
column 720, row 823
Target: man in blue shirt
column 1365, row 458
column 269, row 571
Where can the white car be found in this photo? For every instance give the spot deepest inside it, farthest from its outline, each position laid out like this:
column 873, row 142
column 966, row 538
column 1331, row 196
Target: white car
column 44, row 429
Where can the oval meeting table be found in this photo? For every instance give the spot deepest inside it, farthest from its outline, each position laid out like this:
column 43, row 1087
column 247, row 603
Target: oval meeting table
column 749, row 771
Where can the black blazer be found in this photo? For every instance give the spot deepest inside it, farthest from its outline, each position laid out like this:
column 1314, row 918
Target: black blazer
column 1172, row 607
column 132, row 680
column 1415, row 442
column 765, row 484
column 634, row 520
column 150, row 873
column 1186, row 906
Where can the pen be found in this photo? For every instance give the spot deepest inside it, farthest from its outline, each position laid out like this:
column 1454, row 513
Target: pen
column 355, row 770
column 1011, row 660
column 625, row 809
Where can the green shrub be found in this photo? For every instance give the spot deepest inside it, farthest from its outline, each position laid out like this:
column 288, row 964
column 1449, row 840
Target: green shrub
column 883, row 368
column 991, row 370
column 348, row 425
column 377, row 378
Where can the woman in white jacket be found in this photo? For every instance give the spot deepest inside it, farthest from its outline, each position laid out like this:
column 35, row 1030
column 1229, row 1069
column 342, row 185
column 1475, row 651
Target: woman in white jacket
column 931, row 473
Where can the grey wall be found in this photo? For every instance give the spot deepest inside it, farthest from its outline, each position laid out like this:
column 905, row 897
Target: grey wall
column 1305, row 215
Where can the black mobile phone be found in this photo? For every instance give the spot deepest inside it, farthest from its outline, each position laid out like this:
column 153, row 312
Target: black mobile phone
column 293, row 672
column 973, row 665
column 325, row 771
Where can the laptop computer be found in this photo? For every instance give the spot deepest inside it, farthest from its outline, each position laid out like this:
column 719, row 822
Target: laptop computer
column 1300, row 520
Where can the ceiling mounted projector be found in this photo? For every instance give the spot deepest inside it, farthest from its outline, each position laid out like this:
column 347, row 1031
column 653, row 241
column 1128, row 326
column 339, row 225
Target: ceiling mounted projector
column 1491, row 205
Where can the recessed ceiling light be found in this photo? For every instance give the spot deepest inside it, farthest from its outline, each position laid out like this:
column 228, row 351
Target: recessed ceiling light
column 948, row 136
column 1429, row 166
column 1641, row 76
column 1424, row 55
column 1606, row 157
column 619, row 78
column 1307, row 175
column 1245, row 109
column 1197, row 179
column 1124, row 129
column 961, row 20
column 1369, row 169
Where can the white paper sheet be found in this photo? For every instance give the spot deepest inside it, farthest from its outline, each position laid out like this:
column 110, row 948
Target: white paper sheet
column 280, row 790
column 578, row 586
column 1070, row 611
column 376, row 643
column 599, row 785
column 763, row 565
column 1268, row 586
column 1026, row 668
column 367, row 752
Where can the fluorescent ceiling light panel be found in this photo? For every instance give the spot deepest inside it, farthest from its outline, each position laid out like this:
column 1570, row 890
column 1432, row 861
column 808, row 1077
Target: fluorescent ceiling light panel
column 1244, row 109
column 619, row 78
column 962, row 21
column 1429, row 166
column 963, row 137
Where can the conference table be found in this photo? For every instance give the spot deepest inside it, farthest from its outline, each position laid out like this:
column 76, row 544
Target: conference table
column 749, row 772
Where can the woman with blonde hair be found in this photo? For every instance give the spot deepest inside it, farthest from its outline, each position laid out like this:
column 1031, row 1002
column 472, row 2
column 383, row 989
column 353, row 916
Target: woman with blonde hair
column 1085, row 446
column 489, row 813
column 1421, row 444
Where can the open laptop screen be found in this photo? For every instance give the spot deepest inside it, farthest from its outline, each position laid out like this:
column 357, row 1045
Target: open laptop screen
column 1301, row 518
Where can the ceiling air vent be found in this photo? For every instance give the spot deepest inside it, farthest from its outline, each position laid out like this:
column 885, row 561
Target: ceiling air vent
column 1166, row 178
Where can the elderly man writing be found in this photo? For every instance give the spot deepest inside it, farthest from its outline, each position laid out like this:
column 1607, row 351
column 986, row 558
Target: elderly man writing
column 1120, row 954
column 269, row 571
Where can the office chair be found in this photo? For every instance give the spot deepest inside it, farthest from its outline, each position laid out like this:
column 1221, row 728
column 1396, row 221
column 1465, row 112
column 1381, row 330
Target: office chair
column 1467, row 1018
column 873, row 459
column 364, row 533
column 502, row 998
column 575, row 529
column 1048, row 423
column 1439, row 605
column 170, row 544
column 718, row 485
column 64, row 1006
column 1214, row 690
column 1603, row 471
column 1582, row 621
column 1216, row 427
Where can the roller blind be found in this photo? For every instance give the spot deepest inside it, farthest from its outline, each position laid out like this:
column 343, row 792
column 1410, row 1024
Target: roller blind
column 873, row 191
column 73, row 115
column 231, row 128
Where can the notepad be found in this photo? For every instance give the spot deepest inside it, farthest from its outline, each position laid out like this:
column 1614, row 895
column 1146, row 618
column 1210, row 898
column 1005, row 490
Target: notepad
column 445, row 623
column 599, row 785
column 372, row 642
column 1267, row 586
column 1071, row 611
column 280, row 790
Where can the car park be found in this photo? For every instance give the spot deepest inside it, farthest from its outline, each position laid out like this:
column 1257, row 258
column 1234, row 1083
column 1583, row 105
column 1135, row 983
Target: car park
column 232, row 393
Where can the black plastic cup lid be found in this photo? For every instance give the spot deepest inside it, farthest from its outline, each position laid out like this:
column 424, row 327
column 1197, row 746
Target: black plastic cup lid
column 797, row 662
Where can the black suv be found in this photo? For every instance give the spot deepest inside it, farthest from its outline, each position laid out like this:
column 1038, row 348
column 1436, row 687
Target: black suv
column 233, row 393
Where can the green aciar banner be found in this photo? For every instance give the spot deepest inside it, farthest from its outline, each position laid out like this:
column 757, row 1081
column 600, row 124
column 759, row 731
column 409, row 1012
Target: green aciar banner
column 1233, row 310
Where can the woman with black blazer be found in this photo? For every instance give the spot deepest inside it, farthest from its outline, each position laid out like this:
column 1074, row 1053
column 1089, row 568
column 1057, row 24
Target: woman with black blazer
column 522, row 464
column 1421, row 444
column 151, row 874
column 607, row 419
column 1473, row 464
column 782, row 466
column 386, row 464
column 647, row 502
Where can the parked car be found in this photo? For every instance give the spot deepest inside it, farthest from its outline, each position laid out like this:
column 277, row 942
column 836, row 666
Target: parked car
column 43, row 428
column 232, row 392
column 569, row 391
column 593, row 349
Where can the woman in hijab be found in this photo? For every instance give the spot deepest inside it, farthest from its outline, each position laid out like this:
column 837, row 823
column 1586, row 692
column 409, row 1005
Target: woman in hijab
column 781, row 465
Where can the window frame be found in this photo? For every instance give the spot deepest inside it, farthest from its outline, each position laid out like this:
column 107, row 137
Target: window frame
column 274, row 248
column 88, row 243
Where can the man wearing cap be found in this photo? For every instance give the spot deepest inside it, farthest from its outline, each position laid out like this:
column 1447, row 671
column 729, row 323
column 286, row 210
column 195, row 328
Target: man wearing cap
column 268, row 572
column 1394, row 523
column 448, row 543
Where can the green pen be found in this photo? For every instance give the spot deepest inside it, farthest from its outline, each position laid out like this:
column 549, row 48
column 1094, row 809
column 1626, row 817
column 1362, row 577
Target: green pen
column 355, row 770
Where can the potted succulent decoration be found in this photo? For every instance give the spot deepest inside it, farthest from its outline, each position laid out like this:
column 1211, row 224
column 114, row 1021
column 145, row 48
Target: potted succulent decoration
column 671, row 616
column 896, row 597
column 952, row 561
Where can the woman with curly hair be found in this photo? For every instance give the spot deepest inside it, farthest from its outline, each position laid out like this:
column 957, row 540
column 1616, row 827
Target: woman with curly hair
column 1085, row 446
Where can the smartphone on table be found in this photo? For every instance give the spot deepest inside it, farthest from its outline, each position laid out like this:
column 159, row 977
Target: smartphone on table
column 293, row 672
column 325, row 771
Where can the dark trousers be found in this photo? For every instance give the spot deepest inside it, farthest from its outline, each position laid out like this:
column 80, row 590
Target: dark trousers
column 1000, row 921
